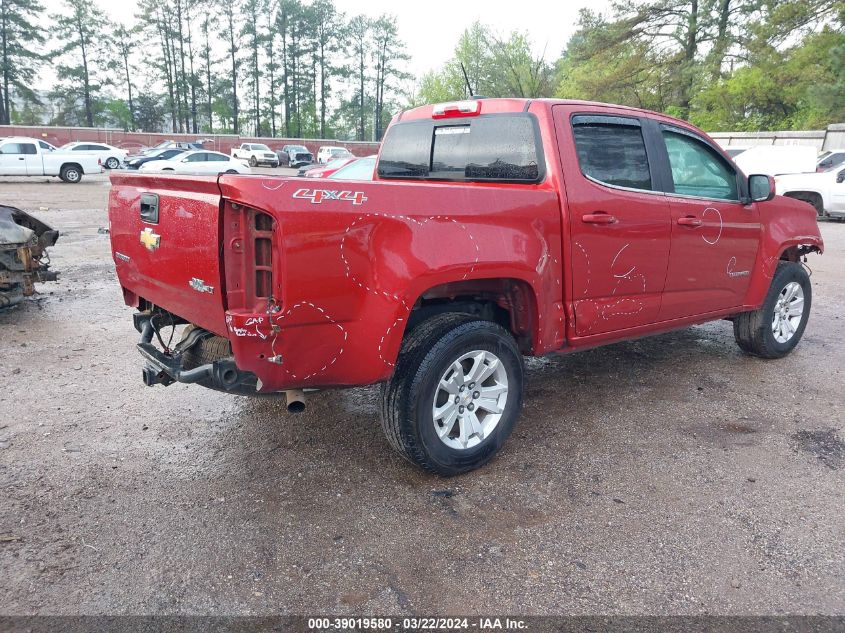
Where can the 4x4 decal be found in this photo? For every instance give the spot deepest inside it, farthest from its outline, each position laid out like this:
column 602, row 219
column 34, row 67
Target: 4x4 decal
column 317, row 196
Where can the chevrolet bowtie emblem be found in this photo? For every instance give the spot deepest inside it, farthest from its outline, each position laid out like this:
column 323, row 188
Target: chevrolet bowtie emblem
column 150, row 240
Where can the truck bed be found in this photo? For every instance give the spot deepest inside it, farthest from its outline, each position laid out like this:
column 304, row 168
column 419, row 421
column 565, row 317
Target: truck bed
column 313, row 281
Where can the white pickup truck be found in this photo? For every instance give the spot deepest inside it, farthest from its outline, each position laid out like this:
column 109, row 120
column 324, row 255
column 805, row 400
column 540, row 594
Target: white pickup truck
column 256, row 154
column 22, row 156
column 824, row 190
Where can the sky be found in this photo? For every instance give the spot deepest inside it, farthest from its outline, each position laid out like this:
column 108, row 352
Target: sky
column 431, row 28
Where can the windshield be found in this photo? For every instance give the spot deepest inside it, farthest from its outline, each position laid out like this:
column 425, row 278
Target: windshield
column 260, row 147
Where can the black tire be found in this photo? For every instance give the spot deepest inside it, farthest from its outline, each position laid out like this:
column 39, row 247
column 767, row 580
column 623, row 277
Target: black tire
column 112, row 163
column 253, row 162
column 407, row 398
column 753, row 330
column 230, row 171
column 71, row 174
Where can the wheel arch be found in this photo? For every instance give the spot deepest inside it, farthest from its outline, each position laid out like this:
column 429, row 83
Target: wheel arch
column 71, row 164
column 797, row 193
column 511, row 302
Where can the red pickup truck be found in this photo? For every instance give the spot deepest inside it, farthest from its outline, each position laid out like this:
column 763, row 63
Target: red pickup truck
column 494, row 229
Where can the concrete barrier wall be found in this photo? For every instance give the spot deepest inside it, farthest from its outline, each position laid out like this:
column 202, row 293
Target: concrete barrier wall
column 135, row 141
column 831, row 138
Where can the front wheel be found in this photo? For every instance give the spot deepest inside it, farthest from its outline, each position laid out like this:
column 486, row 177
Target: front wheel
column 253, row 162
column 776, row 328
column 112, row 163
column 455, row 394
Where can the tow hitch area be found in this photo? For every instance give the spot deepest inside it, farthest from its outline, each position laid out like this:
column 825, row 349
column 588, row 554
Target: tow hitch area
column 197, row 358
column 23, row 255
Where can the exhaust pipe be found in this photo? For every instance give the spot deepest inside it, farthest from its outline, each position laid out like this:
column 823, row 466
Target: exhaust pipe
column 295, row 400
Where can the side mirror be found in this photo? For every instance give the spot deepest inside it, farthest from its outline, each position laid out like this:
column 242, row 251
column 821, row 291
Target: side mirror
column 761, row 188
column 840, row 177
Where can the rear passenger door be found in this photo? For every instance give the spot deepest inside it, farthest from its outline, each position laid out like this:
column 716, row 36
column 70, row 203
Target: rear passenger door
column 618, row 219
column 715, row 233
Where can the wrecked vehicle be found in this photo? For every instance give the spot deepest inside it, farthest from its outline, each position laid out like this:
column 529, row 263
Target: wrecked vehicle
column 23, row 255
column 494, row 229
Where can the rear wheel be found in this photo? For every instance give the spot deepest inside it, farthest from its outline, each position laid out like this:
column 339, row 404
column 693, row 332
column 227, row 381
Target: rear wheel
column 776, row 328
column 70, row 173
column 455, row 394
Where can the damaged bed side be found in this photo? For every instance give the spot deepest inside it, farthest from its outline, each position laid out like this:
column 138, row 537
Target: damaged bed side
column 23, row 255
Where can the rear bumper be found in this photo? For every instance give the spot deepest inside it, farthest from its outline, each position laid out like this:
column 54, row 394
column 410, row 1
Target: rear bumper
column 163, row 369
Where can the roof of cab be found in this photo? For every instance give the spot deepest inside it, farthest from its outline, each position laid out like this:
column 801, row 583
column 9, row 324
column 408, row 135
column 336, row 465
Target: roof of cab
column 512, row 104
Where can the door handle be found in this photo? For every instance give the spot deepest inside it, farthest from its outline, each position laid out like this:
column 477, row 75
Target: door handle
column 21, row 158
column 689, row 221
column 599, row 217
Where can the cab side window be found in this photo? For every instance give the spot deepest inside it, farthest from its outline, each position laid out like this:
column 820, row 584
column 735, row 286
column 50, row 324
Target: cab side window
column 697, row 170
column 18, row 148
column 611, row 150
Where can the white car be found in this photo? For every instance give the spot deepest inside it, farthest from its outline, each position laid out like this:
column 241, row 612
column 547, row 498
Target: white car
column 328, row 153
column 23, row 156
column 824, row 190
column 198, row 162
column 111, row 157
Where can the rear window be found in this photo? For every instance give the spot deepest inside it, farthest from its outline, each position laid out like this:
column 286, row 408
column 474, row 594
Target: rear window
column 492, row 148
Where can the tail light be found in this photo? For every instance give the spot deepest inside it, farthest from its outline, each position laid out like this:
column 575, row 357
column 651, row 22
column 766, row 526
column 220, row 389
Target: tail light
column 249, row 252
column 263, row 255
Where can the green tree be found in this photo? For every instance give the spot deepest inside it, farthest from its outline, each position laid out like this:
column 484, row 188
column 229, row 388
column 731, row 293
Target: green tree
column 124, row 47
column 254, row 37
column 20, row 37
column 389, row 55
column 721, row 63
column 230, row 31
column 149, row 112
column 359, row 35
column 494, row 66
column 328, row 38
column 87, row 53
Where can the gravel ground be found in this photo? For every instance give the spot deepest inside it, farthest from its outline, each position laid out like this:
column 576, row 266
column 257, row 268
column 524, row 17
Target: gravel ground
column 667, row 475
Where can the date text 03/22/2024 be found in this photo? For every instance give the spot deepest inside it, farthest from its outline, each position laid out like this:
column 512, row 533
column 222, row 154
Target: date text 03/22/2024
column 416, row 624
